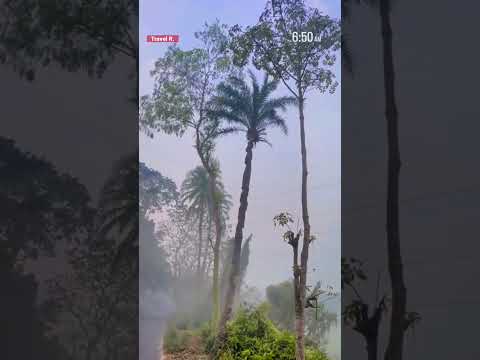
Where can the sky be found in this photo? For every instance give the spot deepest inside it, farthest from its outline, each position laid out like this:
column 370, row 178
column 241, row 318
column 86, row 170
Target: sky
column 276, row 174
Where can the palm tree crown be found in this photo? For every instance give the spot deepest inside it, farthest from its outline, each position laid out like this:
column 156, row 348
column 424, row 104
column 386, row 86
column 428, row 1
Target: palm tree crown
column 250, row 109
column 196, row 193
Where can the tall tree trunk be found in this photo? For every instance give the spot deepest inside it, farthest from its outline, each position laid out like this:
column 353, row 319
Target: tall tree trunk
column 372, row 347
column 216, row 253
column 208, row 242
column 395, row 267
column 200, row 242
column 218, row 225
column 300, row 313
column 299, row 310
column 237, row 250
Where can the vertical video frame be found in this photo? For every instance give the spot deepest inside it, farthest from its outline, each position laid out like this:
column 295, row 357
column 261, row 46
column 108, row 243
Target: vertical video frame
column 239, row 185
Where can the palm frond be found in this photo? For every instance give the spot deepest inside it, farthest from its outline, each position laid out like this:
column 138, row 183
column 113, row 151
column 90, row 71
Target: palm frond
column 251, row 108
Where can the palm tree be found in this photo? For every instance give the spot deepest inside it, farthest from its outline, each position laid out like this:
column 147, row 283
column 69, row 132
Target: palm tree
column 196, row 194
column 118, row 209
column 250, row 110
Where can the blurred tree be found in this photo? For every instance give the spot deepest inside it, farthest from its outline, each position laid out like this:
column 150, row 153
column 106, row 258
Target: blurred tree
column 195, row 194
column 42, row 210
column 77, row 35
column 155, row 190
column 156, row 193
column 399, row 314
column 282, row 312
column 244, row 260
column 118, row 218
column 95, row 307
column 40, row 207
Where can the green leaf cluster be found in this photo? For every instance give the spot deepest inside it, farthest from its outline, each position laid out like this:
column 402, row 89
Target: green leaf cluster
column 252, row 336
column 176, row 340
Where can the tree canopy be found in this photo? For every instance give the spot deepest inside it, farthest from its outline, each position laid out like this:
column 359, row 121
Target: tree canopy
column 77, row 35
column 300, row 65
column 40, row 206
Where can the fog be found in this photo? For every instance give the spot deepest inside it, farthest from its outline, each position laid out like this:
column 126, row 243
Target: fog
column 276, row 173
column 155, row 310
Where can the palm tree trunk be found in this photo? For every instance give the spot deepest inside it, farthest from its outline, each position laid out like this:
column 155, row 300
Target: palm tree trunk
column 237, row 250
column 216, row 254
column 200, row 243
column 207, row 243
column 218, row 228
column 399, row 293
column 300, row 307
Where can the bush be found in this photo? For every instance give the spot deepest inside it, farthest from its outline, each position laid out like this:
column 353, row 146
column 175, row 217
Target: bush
column 252, row 336
column 176, row 340
column 207, row 336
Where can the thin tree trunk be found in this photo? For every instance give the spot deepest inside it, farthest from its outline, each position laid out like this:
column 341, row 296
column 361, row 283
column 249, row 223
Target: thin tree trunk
column 300, row 313
column 372, row 347
column 207, row 244
column 299, row 310
column 368, row 328
column 216, row 254
column 237, row 250
column 200, row 242
column 399, row 293
column 218, row 227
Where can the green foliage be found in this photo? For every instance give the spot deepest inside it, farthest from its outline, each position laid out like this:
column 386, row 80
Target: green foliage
column 207, row 335
column 184, row 81
column 251, row 109
column 302, row 64
column 317, row 321
column 176, row 340
column 195, row 192
column 154, row 189
column 281, row 300
column 252, row 336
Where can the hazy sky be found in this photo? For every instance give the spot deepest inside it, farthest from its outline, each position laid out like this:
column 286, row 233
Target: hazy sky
column 275, row 184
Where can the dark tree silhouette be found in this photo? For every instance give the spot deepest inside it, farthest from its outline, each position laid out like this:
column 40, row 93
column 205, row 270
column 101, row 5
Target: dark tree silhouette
column 399, row 321
column 357, row 314
column 85, row 35
column 41, row 210
column 40, row 207
column 77, row 35
column 118, row 209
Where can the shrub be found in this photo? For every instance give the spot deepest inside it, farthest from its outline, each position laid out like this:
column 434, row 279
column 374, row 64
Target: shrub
column 176, row 340
column 207, row 336
column 252, row 336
